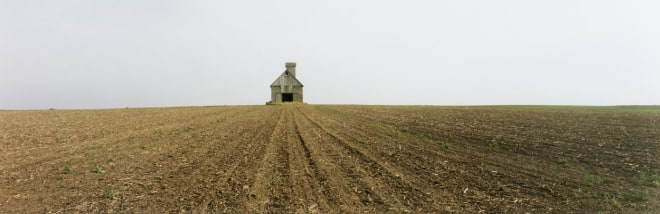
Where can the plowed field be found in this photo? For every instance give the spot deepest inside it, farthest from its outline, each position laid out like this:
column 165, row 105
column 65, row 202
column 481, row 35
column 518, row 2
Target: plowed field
column 329, row 159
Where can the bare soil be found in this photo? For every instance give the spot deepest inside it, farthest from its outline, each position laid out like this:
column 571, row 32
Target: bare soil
column 329, row 159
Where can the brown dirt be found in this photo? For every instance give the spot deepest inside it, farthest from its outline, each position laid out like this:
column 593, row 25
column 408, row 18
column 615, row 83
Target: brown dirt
column 328, row 159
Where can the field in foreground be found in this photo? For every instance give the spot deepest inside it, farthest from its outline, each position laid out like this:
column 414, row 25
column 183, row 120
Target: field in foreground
column 320, row 159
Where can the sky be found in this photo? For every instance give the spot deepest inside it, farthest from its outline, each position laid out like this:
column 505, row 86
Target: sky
column 78, row 54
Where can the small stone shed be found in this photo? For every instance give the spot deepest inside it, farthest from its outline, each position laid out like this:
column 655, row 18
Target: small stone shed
column 286, row 88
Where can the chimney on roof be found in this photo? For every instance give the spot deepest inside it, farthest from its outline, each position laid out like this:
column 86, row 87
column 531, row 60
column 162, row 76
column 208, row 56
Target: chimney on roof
column 291, row 67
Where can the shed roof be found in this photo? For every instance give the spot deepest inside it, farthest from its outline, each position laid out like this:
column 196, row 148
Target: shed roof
column 286, row 79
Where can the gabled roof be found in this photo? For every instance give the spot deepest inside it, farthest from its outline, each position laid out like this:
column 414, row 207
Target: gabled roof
column 286, row 79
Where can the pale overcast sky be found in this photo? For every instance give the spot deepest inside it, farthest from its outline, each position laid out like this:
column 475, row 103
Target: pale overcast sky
column 138, row 53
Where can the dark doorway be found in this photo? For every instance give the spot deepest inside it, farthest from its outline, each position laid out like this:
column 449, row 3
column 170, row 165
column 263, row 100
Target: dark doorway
column 287, row 97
